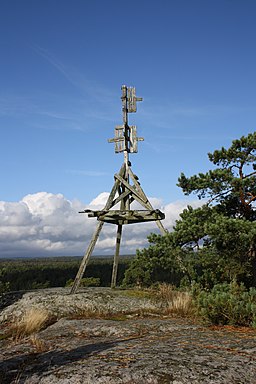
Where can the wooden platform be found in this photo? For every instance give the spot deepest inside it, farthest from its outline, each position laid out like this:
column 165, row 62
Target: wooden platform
column 126, row 217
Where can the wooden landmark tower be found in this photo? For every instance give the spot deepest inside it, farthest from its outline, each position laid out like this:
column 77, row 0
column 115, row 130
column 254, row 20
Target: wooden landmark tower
column 125, row 191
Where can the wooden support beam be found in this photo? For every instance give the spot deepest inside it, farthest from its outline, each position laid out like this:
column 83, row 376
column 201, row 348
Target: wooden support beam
column 148, row 205
column 95, row 237
column 126, row 141
column 121, row 197
column 134, row 192
column 127, row 216
column 86, row 258
column 116, row 257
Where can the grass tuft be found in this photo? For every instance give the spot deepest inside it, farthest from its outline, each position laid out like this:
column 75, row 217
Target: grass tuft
column 38, row 344
column 175, row 302
column 32, row 321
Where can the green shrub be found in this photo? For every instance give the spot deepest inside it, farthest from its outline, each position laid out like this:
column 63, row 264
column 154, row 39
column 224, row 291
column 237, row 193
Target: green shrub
column 4, row 285
column 86, row 282
column 230, row 304
column 40, row 285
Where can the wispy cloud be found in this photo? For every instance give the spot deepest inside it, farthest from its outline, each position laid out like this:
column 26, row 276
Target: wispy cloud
column 17, row 105
column 163, row 107
column 54, row 62
column 95, row 91
column 183, row 116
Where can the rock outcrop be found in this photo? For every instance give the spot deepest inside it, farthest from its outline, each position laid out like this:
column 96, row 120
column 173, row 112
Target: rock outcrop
column 112, row 348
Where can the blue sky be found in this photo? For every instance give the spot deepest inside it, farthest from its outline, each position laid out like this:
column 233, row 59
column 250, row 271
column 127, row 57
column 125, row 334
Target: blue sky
column 62, row 66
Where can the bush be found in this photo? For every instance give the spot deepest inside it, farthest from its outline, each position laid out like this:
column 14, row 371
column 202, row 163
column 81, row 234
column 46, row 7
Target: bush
column 4, row 285
column 85, row 282
column 228, row 304
column 152, row 265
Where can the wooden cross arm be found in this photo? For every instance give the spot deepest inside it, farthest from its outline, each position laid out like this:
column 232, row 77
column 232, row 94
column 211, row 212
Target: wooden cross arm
column 126, row 217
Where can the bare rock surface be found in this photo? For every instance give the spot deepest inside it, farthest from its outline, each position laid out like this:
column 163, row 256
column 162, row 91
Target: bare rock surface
column 131, row 349
column 58, row 302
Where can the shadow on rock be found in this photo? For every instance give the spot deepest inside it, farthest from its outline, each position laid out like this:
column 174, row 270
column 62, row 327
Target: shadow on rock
column 19, row 368
column 9, row 298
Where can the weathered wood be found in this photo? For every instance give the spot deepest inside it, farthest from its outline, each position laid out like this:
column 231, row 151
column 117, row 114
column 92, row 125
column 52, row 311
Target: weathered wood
column 121, row 197
column 148, row 204
column 86, row 258
column 122, row 192
column 134, row 192
column 127, row 217
column 116, row 257
column 95, row 237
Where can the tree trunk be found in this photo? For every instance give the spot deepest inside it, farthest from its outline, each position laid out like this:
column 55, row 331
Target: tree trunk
column 252, row 255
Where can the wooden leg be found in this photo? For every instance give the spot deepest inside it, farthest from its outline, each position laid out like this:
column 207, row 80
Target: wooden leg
column 95, row 236
column 86, row 258
column 116, row 257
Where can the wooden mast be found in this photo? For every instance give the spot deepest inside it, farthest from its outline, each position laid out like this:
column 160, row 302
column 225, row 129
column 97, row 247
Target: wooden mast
column 123, row 192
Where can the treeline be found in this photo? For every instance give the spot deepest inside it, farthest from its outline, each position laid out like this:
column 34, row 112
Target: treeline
column 26, row 274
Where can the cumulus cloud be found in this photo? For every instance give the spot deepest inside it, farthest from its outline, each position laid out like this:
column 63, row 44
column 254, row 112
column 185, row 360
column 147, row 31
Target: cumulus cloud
column 46, row 224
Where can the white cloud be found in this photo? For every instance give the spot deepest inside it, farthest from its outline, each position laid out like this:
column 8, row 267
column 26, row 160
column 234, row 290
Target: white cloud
column 172, row 211
column 100, row 200
column 49, row 224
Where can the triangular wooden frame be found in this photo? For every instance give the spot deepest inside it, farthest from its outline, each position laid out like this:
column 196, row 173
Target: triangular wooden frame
column 124, row 193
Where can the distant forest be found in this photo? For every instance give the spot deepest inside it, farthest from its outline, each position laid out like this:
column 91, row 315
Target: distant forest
column 32, row 273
